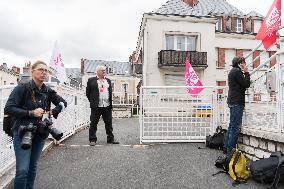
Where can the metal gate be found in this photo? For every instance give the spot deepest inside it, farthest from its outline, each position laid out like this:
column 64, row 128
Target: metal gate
column 170, row 116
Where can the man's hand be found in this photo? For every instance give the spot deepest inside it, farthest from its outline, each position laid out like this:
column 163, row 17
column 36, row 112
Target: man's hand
column 244, row 68
column 38, row 112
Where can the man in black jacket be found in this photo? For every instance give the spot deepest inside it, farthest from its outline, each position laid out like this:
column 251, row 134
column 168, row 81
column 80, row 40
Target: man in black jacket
column 239, row 81
column 99, row 93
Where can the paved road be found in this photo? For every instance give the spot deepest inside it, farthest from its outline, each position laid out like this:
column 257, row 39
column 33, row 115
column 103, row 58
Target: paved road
column 75, row 165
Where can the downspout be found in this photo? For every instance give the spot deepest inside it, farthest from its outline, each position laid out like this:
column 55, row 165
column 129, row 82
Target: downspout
column 144, row 63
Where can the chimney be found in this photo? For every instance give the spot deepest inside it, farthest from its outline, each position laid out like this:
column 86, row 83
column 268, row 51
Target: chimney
column 16, row 69
column 82, row 66
column 26, row 68
column 191, row 3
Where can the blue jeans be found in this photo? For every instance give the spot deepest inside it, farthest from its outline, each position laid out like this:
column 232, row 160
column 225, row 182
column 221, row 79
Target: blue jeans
column 236, row 114
column 26, row 161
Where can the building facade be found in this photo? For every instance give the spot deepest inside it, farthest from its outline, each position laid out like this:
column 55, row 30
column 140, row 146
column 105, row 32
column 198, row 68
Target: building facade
column 209, row 32
column 9, row 76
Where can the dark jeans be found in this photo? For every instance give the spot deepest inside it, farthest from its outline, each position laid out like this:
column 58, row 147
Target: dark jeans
column 236, row 114
column 96, row 113
column 26, row 161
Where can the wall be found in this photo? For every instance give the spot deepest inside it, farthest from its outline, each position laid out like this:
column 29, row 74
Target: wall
column 154, row 35
column 7, row 78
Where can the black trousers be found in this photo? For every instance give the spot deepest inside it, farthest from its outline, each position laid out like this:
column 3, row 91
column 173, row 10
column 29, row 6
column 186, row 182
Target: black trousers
column 96, row 113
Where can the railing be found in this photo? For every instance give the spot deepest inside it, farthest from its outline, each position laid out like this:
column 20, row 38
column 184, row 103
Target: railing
column 264, row 110
column 75, row 116
column 177, row 58
column 170, row 114
column 123, row 99
column 126, row 100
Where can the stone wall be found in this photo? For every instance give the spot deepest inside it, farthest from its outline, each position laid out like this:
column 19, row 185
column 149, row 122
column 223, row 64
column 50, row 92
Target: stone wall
column 260, row 144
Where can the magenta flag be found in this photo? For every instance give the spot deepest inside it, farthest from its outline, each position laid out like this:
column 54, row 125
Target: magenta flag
column 191, row 79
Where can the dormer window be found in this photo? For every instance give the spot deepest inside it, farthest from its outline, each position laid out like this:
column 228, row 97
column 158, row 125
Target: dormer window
column 218, row 26
column 238, row 25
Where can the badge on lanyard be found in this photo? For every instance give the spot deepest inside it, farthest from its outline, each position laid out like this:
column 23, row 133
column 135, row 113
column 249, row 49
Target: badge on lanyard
column 101, row 89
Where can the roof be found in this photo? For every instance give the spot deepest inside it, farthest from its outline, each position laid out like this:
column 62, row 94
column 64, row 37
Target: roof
column 203, row 8
column 119, row 68
column 73, row 72
column 254, row 14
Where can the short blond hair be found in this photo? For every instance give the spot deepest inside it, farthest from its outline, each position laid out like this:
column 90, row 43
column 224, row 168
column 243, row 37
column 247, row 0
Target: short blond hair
column 38, row 62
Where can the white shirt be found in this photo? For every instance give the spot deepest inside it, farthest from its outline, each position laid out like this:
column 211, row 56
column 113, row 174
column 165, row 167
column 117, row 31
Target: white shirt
column 103, row 93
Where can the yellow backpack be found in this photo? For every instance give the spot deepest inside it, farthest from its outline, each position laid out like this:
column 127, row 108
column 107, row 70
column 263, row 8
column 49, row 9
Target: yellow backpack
column 238, row 169
column 235, row 164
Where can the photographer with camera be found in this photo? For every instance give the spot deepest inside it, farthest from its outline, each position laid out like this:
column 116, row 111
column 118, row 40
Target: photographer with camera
column 29, row 104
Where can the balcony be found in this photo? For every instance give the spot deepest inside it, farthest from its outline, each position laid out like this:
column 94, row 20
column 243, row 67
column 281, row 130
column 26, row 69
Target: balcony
column 172, row 58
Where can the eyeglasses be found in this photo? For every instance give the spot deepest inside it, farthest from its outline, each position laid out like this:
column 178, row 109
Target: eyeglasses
column 42, row 70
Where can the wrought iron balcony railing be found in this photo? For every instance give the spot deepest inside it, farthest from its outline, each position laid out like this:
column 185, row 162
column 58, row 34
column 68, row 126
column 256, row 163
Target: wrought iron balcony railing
column 177, row 58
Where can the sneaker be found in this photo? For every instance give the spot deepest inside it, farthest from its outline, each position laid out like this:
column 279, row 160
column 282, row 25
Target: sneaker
column 92, row 143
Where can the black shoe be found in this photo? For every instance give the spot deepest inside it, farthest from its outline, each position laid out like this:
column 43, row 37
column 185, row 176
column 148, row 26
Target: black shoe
column 113, row 142
column 92, row 143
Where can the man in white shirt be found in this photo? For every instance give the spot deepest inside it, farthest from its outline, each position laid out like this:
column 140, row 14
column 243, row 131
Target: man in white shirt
column 99, row 93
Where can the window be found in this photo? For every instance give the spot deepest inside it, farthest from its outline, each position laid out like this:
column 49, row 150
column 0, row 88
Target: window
column 181, row 42
column 238, row 25
column 257, row 25
column 218, row 26
column 170, row 42
column 4, row 82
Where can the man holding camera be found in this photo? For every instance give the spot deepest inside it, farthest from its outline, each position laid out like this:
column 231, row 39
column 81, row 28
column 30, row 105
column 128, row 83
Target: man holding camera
column 99, row 93
column 239, row 81
column 29, row 105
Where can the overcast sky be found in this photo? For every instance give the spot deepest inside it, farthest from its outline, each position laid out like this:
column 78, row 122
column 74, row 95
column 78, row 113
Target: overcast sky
column 92, row 29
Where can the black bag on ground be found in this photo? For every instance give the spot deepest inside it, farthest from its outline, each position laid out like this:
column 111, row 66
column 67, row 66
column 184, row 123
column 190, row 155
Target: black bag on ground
column 268, row 170
column 216, row 141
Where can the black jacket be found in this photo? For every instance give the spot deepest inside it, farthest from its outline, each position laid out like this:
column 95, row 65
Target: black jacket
column 238, row 83
column 27, row 96
column 92, row 92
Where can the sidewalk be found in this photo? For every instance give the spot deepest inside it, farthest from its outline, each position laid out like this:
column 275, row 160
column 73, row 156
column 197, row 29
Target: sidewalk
column 74, row 164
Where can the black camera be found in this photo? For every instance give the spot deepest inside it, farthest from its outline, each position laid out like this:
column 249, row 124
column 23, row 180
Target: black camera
column 26, row 133
column 55, row 133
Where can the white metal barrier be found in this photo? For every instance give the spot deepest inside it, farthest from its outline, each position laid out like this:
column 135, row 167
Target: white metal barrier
column 75, row 116
column 264, row 110
column 170, row 114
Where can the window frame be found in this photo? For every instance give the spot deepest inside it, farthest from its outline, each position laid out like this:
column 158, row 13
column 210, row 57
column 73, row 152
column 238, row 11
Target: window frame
column 219, row 24
column 238, row 25
column 185, row 43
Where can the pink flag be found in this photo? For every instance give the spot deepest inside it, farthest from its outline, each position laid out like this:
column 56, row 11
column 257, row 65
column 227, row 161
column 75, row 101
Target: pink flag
column 192, row 79
column 272, row 22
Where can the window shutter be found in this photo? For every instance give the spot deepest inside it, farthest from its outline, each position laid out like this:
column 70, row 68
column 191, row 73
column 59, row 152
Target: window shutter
column 221, row 83
column 221, row 57
column 257, row 62
column 233, row 20
column 273, row 61
column 239, row 52
column 244, row 24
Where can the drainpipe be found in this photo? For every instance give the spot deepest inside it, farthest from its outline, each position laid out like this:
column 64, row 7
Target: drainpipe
column 144, row 63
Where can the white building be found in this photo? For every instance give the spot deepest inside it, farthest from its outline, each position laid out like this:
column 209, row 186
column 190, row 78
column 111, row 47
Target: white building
column 210, row 33
column 8, row 76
